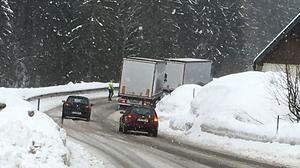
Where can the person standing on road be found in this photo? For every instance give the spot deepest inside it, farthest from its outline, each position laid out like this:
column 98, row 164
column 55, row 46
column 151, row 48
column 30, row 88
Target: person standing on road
column 110, row 90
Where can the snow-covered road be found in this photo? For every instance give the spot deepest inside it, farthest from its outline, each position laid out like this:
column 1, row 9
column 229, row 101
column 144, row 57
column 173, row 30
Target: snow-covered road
column 100, row 137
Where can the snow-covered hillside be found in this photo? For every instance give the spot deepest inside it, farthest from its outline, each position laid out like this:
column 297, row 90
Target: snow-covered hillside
column 229, row 112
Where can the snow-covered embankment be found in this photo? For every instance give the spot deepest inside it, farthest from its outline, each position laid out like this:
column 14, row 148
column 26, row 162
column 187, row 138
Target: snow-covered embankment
column 228, row 112
column 26, row 141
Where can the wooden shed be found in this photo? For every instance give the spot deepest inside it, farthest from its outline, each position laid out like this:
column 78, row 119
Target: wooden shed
column 283, row 50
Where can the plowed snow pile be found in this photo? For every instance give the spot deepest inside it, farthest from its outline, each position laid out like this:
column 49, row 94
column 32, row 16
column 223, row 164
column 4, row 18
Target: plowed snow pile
column 239, row 106
column 175, row 108
column 29, row 141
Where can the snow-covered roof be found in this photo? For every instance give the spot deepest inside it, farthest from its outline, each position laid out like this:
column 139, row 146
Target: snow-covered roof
column 276, row 40
column 145, row 59
column 187, row 60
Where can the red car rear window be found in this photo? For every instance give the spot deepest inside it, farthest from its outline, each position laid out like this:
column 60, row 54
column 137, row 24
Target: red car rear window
column 143, row 111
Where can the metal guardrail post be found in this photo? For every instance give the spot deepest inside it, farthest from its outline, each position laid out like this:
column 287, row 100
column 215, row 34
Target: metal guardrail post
column 39, row 103
column 194, row 90
column 277, row 128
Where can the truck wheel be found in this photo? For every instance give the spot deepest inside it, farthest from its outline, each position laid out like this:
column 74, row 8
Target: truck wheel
column 88, row 118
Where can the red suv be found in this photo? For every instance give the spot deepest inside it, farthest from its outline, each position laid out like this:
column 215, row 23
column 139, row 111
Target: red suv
column 139, row 118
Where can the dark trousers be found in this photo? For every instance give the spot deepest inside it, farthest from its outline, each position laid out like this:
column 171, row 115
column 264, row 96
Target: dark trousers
column 110, row 94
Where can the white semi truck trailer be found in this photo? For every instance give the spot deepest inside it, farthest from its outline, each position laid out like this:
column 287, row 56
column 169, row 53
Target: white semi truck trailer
column 144, row 80
column 141, row 81
column 180, row 71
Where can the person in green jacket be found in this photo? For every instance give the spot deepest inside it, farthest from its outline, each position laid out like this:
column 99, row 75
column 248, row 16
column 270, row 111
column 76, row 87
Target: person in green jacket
column 110, row 90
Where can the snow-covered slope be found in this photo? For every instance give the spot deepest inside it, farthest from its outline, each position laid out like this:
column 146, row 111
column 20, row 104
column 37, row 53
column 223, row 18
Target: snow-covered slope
column 27, row 141
column 239, row 106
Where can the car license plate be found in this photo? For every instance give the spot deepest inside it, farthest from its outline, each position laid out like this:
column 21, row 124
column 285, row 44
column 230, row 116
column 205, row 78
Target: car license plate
column 76, row 112
column 134, row 101
column 142, row 120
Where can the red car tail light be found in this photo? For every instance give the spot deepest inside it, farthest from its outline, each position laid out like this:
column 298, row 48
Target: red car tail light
column 67, row 104
column 88, row 107
column 128, row 118
column 155, row 119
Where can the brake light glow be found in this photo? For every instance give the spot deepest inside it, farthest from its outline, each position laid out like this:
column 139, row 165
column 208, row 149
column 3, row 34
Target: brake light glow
column 155, row 119
column 88, row 107
column 128, row 118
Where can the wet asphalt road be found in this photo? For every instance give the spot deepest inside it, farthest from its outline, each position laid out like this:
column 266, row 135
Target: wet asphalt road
column 100, row 136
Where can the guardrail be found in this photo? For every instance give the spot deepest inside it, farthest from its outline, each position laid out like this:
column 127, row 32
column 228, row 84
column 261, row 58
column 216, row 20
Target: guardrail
column 64, row 93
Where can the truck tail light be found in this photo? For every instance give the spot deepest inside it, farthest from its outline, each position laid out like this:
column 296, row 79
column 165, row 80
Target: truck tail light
column 146, row 103
column 123, row 89
column 148, row 92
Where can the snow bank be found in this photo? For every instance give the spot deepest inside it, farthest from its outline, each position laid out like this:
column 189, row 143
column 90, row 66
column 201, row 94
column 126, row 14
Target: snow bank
column 242, row 106
column 175, row 108
column 238, row 106
column 29, row 141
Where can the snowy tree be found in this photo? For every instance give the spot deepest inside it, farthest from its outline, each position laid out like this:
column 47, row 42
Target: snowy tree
column 39, row 30
column 54, row 42
column 54, row 20
column 219, row 33
column 129, row 28
column 157, row 27
column 185, row 16
column 5, row 22
column 92, row 36
column 6, row 38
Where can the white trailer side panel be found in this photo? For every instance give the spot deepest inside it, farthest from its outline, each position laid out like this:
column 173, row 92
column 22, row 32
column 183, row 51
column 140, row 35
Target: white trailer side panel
column 175, row 72
column 197, row 73
column 137, row 78
column 159, row 78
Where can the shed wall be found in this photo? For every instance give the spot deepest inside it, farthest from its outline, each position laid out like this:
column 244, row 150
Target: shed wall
column 280, row 68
